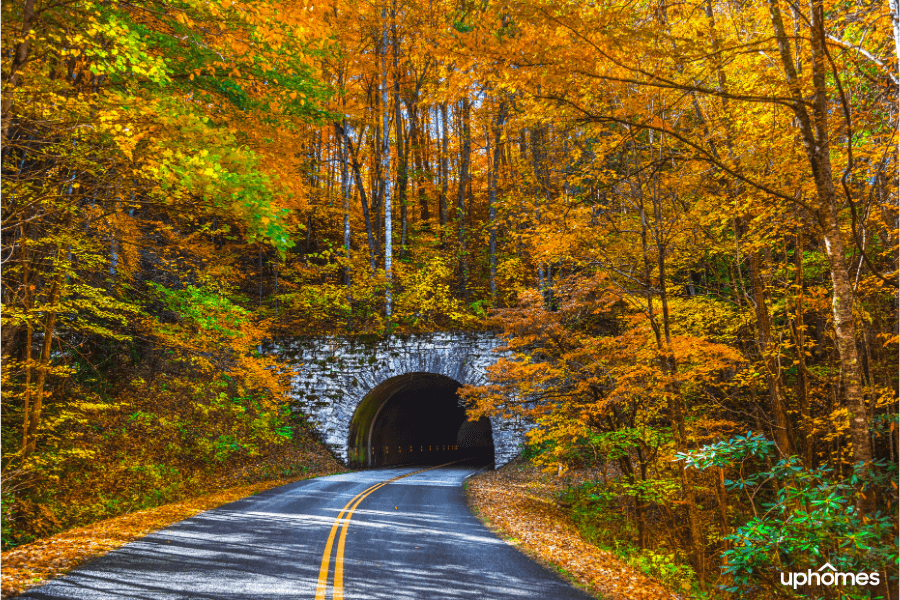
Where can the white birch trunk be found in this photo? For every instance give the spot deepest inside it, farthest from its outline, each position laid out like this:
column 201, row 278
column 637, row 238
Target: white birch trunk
column 386, row 164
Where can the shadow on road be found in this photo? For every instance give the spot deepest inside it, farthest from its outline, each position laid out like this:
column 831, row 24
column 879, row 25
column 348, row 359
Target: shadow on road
column 269, row 547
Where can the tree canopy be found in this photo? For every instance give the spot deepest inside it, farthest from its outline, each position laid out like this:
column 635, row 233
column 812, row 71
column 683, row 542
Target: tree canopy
column 681, row 216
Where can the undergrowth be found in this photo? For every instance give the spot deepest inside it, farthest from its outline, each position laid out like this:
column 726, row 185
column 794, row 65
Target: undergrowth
column 600, row 522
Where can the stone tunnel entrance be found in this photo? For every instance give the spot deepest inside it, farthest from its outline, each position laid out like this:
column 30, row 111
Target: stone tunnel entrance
column 416, row 419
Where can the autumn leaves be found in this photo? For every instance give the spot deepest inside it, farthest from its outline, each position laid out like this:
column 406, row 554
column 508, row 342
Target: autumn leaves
column 688, row 209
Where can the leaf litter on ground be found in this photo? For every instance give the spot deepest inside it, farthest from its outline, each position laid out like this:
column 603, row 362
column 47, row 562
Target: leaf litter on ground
column 518, row 502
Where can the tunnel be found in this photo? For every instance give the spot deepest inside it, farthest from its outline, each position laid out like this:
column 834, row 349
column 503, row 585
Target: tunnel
column 417, row 419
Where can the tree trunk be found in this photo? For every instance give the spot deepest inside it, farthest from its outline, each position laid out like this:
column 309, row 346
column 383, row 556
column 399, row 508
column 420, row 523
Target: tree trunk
column 370, row 234
column 895, row 22
column 816, row 143
column 537, row 160
column 417, row 147
column 19, row 58
column 669, row 365
column 32, row 414
column 402, row 144
column 343, row 155
column 466, row 152
column 492, row 194
column 782, row 433
column 798, row 330
column 376, row 175
column 445, row 171
column 845, row 333
column 402, row 170
column 386, row 162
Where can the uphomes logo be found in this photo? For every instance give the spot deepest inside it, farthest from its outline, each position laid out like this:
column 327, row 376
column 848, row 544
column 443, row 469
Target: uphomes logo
column 828, row 575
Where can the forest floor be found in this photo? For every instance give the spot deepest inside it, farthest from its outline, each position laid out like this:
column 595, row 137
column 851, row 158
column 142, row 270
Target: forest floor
column 32, row 564
column 518, row 503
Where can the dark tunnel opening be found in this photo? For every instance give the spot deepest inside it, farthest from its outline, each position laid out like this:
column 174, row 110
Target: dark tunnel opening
column 417, row 419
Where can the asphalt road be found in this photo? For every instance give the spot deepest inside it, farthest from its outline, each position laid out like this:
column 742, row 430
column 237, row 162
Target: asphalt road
column 410, row 538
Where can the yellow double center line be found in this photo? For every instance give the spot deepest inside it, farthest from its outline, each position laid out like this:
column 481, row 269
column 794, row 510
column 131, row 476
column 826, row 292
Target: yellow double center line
column 343, row 519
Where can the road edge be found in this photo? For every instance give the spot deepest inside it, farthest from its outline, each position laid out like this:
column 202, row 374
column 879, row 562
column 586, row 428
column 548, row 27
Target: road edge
column 38, row 562
column 611, row 580
column 476, row 511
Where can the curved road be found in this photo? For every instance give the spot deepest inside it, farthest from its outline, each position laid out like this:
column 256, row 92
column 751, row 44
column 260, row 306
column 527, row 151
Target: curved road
column 344, row 536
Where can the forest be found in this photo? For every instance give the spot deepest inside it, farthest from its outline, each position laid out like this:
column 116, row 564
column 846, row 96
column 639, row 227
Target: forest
column 681, row 217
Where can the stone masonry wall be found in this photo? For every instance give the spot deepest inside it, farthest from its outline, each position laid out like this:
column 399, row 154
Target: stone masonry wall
column 332, row 375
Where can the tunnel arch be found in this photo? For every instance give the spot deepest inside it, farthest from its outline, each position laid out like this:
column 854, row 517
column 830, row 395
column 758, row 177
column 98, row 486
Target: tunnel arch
column 331, row 375
column 416, row 418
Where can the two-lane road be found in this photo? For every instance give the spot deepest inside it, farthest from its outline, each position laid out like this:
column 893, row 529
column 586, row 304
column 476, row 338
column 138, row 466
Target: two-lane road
column 344, row 536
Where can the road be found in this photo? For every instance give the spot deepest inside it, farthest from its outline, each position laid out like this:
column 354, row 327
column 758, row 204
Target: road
column 349, row 536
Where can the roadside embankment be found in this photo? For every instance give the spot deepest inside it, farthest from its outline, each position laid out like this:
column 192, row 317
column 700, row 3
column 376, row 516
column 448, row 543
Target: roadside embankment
column 32, row 564
column 518, row 503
